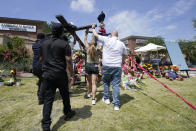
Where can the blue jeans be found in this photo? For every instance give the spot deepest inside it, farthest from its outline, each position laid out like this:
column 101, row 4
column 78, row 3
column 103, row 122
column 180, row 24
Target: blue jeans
column 112, row 74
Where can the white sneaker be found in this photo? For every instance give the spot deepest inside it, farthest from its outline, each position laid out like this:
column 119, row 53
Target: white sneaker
column 107, row 101
column 116, row 108
column 93, row 101
column 88, row 95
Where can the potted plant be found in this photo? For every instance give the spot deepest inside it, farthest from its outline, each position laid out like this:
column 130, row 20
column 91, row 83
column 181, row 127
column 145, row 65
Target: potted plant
column 1, row 79
column 18, row 82
column 12, row 80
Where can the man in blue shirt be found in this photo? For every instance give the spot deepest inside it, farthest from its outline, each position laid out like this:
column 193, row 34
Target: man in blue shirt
column 37, row 66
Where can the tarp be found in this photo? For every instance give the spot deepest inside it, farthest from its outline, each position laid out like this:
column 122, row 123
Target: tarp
column 176, row 55
column 150, row 47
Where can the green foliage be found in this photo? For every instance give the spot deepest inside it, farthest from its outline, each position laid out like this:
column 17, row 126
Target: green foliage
column 156, row 40
column 194, row 23
column 14, row 54
column 17, row 42
column 189, row 50
column 46, row 28
column 10, row 45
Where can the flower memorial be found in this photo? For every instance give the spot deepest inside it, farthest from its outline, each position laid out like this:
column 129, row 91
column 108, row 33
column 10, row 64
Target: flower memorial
column 131, row 77
column 13, row 79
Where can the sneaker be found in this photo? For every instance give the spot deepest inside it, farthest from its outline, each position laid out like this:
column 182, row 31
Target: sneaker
column 116, row 108
column 88, row 95
column 69, row 115
column 93, row 101
column 107, row 101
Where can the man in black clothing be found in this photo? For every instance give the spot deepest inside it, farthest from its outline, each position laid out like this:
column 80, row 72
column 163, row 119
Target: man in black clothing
column 37, row 66
column 55, row 54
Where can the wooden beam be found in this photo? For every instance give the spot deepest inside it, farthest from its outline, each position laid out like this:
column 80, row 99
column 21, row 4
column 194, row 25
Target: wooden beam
column 66, row 25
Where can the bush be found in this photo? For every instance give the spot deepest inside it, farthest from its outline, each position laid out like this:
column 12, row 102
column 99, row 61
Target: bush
column 15, row 55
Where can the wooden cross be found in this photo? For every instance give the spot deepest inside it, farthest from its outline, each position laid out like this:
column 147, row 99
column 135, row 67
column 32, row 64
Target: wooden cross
column 72, row 31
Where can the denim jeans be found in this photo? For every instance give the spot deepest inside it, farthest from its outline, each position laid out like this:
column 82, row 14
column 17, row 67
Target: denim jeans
column 112, row 74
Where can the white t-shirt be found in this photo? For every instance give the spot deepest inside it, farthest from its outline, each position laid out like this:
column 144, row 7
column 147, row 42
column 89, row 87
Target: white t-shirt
column 113, row 50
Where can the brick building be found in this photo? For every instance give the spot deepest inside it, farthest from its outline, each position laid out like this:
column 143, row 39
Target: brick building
column 133, row 42
column 23, row 28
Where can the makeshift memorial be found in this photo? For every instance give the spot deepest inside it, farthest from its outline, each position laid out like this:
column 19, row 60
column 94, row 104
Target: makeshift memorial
column 172, row 73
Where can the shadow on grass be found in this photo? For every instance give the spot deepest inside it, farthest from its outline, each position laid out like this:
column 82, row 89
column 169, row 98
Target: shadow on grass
column 125, row 99
column 81, row 113
column 74, row 93
column 99, row 96
column 77, row 91
column 57, row 96
column 169, row 108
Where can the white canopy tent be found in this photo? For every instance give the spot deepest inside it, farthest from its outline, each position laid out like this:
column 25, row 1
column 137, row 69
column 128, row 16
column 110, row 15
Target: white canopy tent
column 149, row 47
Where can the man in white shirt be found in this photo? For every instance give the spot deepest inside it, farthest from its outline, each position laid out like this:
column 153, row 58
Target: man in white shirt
column 114, row 52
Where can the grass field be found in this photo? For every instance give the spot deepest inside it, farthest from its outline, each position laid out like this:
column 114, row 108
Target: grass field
column 152, row 108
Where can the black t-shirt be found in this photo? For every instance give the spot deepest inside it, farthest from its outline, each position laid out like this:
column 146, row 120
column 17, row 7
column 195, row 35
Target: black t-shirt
column 53, row 52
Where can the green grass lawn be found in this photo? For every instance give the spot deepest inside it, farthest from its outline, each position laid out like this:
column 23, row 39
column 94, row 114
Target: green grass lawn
column 152, row 108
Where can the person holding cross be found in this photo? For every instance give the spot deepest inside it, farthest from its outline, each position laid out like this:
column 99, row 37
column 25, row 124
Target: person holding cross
column 55, row 55
column 91, row 66
column 114, row 54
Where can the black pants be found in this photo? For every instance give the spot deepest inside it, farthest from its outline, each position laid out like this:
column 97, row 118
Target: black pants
column 40, row 92
column 49, row 95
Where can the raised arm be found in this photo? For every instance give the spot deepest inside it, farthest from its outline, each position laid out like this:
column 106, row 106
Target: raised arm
column 85, row 39
column 94, row 31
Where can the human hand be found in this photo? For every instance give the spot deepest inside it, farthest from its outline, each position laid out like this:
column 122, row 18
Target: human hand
column 71, row 79
column 87, row 30
column 93, row 26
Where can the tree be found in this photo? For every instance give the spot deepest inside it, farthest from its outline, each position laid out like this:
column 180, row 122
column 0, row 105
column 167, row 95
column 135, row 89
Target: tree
column 156, row 40
column 188, row 48
column 46, row 28
column 194, row 23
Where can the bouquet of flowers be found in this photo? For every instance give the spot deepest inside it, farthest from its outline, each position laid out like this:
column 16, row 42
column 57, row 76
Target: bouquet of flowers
column 150, row 69
column 13, row 75
column 166, row 68
column 157, row 74
column 144, row 66
column 13, row 80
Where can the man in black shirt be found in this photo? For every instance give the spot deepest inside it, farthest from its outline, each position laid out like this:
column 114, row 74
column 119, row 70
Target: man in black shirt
column 55, row 54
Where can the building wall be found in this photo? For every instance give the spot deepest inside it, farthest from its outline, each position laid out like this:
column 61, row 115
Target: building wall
column 38, row 24
column 29, row 37
column 4, row 39
column 131, row 44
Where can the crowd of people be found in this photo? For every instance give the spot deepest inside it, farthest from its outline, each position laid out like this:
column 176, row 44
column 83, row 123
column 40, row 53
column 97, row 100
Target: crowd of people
column 53, row 66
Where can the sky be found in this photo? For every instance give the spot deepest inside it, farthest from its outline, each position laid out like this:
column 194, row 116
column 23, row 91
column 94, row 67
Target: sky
column 170, row 19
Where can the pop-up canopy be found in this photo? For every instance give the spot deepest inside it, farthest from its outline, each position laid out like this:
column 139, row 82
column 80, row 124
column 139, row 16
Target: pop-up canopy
column 150, row 47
